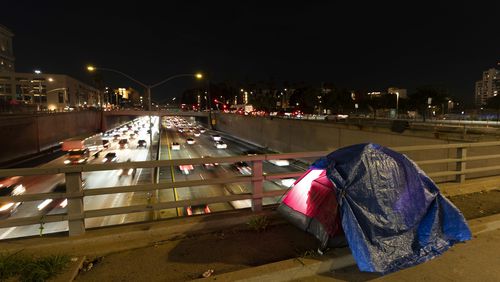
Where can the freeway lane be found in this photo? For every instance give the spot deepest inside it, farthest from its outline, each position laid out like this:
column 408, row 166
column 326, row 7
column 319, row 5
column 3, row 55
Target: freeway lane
column 98, row 179
column 204, row 147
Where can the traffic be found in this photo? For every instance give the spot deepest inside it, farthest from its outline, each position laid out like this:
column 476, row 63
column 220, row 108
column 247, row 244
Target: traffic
column 178, row 138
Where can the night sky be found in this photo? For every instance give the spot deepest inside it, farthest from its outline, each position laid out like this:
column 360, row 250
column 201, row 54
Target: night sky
column 364, row 46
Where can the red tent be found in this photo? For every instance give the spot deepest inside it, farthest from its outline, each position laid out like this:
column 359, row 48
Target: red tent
column 312, row 206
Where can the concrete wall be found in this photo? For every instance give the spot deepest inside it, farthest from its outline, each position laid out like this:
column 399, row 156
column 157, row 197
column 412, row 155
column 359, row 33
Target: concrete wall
column 284, row 135
column 26, row 135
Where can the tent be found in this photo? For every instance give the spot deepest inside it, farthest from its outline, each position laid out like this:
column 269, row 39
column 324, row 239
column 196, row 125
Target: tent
column 392, row 214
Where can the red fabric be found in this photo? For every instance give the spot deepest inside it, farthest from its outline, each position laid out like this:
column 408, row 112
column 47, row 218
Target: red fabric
column 313, row 196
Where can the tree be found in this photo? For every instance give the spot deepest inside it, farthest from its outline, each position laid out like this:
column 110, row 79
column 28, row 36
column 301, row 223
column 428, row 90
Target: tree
column 493, row 103
column 419, row 99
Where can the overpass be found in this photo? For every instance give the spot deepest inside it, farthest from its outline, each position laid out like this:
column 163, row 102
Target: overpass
column 458, row 172
column 126, row 112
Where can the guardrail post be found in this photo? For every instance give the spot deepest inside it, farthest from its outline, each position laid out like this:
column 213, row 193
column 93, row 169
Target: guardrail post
column 461, row 165
column 76, row 220
column 257, row 184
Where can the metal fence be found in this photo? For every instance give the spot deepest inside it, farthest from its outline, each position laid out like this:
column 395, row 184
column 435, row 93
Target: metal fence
column 76, row 214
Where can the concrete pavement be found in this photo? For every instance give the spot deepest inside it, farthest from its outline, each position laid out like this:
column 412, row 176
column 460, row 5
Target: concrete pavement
column 475, row 260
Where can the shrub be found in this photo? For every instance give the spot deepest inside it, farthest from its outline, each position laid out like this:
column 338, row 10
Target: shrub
column 258, row 223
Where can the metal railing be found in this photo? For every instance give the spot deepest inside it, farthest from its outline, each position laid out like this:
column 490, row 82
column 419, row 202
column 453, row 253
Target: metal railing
column 76, row 214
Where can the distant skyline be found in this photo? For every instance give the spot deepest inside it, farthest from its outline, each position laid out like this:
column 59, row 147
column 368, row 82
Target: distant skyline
column 362, row 46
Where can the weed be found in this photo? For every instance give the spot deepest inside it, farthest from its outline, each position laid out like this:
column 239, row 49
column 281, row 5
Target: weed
column 28, row 268
column 258, row 223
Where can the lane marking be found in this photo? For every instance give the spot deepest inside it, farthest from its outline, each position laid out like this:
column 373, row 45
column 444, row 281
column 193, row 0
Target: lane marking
column 176, row 198
column 6, row 233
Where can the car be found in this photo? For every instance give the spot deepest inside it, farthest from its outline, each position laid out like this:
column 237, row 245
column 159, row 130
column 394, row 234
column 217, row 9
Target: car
column 186, row 169
column 209, row 165
column 220, row 145
column 110, row 157
column 132, row 135
column 243, row 168
column 123, row 143
column 126, row 172
column 196, row 134
column 190, row 141
column 116, row 136
column 176, row 146
column 216, row 137
column 252, row 152
column 280, row 162
column 198, row 209
column 202, row 130
column 50, row 204
column 142, row 143
column 10, row 187
column 105, row 143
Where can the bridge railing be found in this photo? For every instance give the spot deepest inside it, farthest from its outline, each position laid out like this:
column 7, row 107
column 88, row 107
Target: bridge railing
column 76, row 213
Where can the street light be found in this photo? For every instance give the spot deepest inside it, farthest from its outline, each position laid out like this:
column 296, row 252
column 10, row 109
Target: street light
column 148, row 87
column 397, row 105
column 65, row 94
column 39, row 91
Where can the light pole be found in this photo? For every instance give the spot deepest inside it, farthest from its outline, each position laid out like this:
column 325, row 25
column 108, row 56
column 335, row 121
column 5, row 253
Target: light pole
column 397, row 105
column 39, row 100
column 148, row 90
column 65, row 94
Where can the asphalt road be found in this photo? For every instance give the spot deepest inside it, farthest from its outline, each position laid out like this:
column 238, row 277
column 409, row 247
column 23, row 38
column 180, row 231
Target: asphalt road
column 203, row 147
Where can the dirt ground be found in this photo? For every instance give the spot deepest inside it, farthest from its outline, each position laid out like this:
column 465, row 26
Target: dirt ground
column 230, row 250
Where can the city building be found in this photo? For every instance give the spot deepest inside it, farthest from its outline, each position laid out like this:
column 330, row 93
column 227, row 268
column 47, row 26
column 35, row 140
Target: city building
column 129, row 97
column 39, row 91
column 488, row 87
column 6, row 52
column 53, row 92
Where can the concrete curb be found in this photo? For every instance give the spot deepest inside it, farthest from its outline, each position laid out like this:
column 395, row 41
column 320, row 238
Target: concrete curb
column 72, row 271
column 306, row 267
column 108, row 240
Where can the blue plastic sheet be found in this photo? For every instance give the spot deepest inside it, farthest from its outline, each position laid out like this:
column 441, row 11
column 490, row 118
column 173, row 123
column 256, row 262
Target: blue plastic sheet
column 393, row 215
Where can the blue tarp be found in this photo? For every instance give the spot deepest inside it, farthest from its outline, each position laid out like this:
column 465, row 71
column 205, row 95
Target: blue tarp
column 393, row 215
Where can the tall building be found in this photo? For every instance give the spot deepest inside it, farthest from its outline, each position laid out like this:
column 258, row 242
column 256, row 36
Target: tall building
column 488, row 87
column 6, row 51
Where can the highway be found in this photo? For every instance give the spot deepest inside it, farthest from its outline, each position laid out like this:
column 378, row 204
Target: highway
column 98, row 179
column 203, row 147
